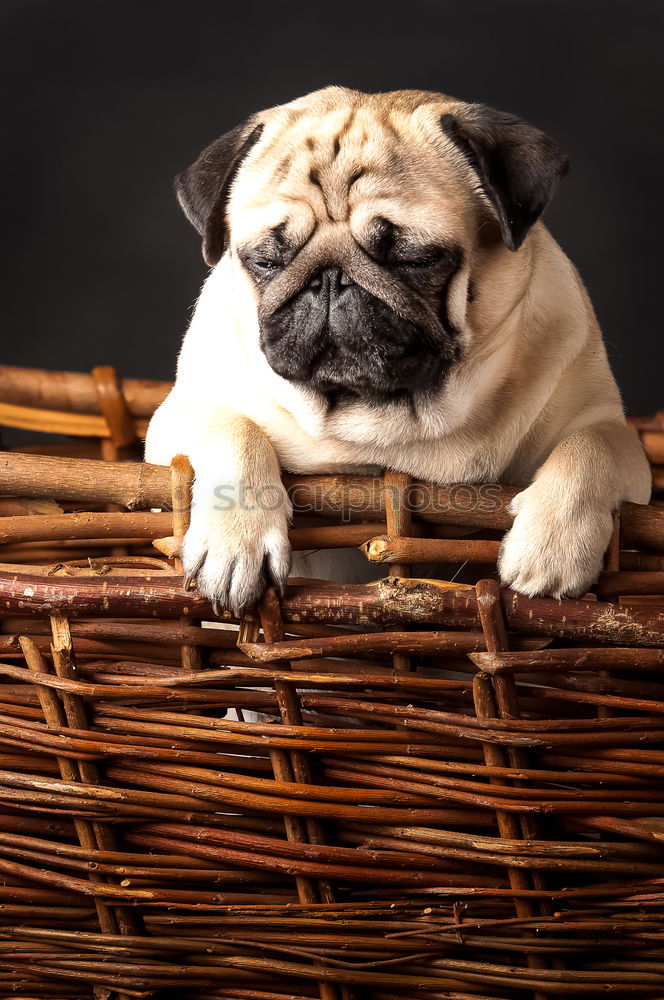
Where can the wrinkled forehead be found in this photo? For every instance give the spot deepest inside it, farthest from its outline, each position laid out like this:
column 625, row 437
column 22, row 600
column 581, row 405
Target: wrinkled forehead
column 351, row 165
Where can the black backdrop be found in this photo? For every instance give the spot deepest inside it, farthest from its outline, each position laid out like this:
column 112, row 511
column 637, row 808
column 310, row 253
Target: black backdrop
column 105, row 100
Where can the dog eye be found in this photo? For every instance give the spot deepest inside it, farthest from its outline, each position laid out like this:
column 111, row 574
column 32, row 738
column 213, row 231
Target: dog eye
column 418, row 261
column 262, row 260
column 267, row 265
column 447, row 257
column 262, row 268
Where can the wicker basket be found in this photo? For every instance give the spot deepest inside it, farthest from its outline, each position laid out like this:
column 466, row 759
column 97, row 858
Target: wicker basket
column 411, row 788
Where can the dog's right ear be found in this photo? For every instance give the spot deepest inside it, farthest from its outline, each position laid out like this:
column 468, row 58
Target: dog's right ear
column 204, row 187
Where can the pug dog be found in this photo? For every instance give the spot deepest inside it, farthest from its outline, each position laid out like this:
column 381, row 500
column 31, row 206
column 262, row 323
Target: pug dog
column 383, row 296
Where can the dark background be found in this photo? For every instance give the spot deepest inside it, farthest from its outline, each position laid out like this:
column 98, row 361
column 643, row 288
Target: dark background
column 103, row 102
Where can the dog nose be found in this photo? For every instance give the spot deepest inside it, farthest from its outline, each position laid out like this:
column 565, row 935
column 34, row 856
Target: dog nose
column 330, row 280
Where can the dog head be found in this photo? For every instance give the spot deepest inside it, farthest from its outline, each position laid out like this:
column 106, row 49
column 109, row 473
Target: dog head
column 355, row 218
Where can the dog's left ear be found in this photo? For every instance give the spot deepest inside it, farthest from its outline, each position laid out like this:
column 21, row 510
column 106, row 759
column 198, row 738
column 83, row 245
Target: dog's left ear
column 518, row 166
column 203, row 188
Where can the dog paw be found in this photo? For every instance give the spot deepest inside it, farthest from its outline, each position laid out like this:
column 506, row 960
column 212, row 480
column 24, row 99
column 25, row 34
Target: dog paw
column 234, row 555
column 554, row 550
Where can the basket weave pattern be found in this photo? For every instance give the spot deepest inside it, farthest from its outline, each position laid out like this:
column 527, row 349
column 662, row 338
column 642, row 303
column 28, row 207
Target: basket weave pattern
column 413, row 788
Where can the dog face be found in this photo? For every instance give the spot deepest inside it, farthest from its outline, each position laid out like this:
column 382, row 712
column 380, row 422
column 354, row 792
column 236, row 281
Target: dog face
column 355, row 218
